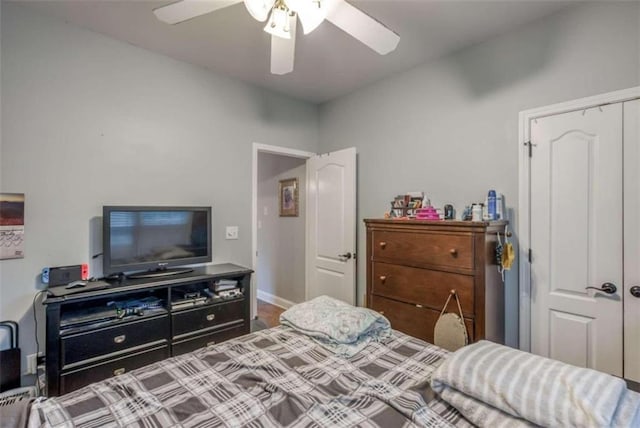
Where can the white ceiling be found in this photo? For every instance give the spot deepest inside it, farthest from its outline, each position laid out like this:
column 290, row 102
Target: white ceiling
column 329, row 63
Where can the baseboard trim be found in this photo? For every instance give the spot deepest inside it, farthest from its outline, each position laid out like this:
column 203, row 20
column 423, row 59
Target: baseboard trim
column 634, row 386
column 274, row 300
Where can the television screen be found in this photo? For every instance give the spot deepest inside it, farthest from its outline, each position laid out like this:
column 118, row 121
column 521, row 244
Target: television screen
column 138, row 238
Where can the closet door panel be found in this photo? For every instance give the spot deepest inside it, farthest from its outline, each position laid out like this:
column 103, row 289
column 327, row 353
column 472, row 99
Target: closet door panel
column 576, row 238
column 631, row 239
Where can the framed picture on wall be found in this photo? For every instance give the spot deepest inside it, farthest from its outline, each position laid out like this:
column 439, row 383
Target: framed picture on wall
column 288, row 199
column 11, row 226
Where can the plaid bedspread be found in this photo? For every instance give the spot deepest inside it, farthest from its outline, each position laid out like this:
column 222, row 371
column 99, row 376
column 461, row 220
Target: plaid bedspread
column 274, row 377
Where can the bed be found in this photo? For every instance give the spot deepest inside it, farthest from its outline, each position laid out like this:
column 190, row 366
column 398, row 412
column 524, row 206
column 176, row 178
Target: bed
column 334, row 365
column 274, row 377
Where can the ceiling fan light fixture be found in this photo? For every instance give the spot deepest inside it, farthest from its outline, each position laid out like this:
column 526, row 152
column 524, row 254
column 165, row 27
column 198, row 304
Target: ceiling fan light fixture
column 282, row 17
column 311, row 12
column 279, row 23
column 259, row 9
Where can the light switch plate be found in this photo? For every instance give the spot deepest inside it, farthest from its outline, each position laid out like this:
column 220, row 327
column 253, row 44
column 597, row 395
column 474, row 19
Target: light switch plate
column 231, row 232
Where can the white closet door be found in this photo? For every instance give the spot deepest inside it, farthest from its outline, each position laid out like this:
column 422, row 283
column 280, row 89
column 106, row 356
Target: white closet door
column 576, row 237
column 632, row 240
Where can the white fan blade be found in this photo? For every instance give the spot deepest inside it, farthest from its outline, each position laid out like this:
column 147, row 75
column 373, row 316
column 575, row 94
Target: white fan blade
column 283, row 51
column 187, row 9
column 361, row 26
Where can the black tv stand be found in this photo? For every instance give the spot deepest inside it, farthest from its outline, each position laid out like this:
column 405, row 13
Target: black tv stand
column 158, row 273
column 93, row 334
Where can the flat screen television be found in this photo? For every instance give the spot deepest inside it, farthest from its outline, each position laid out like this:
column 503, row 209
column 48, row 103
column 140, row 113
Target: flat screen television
column 151, row 240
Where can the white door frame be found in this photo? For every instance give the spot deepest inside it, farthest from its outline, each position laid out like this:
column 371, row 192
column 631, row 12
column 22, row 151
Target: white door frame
column 276, row 150
column 524, row 187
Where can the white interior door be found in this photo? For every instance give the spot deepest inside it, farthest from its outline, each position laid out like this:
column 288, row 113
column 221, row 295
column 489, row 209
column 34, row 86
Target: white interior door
column 331, row 225
column 576, row 237
column 631, row 294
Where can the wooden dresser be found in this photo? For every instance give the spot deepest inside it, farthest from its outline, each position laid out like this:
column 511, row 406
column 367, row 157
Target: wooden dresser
column 412, row 265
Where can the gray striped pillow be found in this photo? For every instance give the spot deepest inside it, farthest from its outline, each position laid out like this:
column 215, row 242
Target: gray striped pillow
column 540, row 390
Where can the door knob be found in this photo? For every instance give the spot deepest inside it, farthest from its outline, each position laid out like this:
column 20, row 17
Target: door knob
column 607, row 287
column 345, row 257
column 635, row 291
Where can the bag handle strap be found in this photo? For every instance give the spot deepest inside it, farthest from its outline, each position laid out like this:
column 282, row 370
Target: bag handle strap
column 454, row 294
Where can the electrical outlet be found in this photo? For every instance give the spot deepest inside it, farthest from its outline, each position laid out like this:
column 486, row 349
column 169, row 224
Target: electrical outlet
column 32, row 363
column 231, row 232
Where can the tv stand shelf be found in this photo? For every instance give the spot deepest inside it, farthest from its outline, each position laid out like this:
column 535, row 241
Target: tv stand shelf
column 95, row 334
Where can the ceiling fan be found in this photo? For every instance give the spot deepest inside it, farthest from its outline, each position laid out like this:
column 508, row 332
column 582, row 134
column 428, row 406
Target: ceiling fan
column 282, row 16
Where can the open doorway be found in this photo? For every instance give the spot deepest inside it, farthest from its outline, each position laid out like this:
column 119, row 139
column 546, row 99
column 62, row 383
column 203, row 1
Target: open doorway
column 278, row 241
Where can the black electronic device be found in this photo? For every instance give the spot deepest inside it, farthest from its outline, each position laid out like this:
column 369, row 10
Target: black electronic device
column 138, row 238
column 78, row 287
column 121, row 313
column 110, row 311
column 10, row 359
column 228, row 294
column 192, row 295
column 62, row 275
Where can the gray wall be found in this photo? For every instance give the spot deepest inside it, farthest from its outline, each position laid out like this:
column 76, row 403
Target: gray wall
column 281, row 240
column 90, row 121
column 450, row 127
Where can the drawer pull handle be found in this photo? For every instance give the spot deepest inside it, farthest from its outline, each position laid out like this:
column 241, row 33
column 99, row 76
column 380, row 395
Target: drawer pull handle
column 119, row 339
column 383, row 245
column 453, row 252
column 383, row 278
column 213, row 342
column 211, row 317
column 419, row 306
column 381, row 312
column 120, row 371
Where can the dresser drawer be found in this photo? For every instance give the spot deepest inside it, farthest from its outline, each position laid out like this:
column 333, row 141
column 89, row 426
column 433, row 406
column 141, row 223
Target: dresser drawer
column 423, row 248
column 96, row 343
column 411, row 320
column 73, row 380
column 426, row 287
column 201, row 341
column 192, row 320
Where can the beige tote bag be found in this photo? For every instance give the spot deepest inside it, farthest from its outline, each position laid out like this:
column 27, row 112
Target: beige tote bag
column 450, row 332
